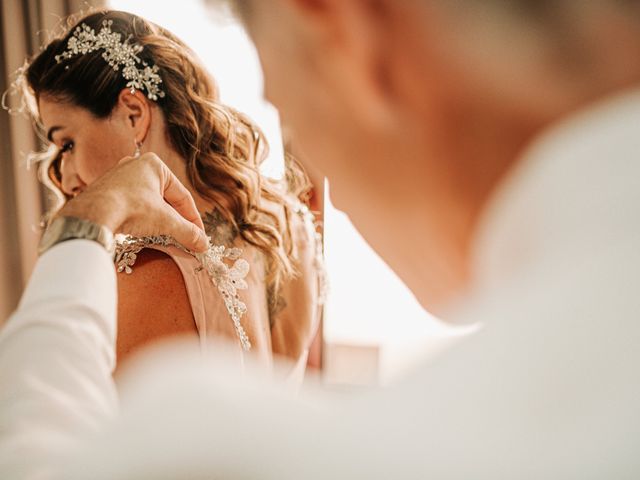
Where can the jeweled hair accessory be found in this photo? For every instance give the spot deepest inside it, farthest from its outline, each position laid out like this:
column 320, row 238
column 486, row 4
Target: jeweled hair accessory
column 118, row 54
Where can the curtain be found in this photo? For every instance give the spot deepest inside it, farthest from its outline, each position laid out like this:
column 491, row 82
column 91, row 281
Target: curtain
column 25, row 26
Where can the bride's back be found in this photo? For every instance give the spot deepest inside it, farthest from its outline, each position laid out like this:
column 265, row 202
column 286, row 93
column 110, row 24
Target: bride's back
column 166, row 291
column 114, row 83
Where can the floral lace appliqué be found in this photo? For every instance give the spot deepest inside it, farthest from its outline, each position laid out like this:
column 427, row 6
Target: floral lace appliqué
column 227, row 279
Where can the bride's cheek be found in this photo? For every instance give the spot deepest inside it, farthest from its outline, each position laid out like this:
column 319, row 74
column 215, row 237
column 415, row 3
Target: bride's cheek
column 95, row 166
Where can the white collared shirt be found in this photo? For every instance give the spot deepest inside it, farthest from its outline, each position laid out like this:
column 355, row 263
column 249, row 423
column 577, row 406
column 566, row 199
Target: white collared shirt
column 548, row 388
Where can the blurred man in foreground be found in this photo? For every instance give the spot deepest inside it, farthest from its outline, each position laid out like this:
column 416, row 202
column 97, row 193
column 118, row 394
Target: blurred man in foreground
column 487, row 150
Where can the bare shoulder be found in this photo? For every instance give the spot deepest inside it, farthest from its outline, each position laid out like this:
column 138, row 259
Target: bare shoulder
column 152, row 303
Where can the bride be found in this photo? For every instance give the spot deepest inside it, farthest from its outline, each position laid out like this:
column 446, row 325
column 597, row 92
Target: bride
column 116, row 85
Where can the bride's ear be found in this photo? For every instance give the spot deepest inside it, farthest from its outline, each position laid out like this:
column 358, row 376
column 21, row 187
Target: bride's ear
column 136, row 110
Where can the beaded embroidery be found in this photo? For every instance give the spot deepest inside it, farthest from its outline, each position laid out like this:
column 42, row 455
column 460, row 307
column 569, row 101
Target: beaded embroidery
column 227, row 279
column 318, row 261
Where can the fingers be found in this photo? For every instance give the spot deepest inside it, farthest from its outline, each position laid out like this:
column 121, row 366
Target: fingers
column 188, row 228
column 169, row 207
column 185, row 232
column 180, row 199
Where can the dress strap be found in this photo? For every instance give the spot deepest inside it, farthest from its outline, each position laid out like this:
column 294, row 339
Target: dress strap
column 227, row 278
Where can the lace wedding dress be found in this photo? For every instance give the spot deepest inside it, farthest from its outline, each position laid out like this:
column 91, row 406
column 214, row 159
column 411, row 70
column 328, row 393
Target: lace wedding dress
column 228, row 293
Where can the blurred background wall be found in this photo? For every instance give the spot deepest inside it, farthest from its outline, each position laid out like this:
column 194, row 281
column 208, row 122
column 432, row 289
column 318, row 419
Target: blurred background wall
column 24, row 25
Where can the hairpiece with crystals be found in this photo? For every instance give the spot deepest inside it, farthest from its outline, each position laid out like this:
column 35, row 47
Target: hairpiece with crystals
column 117, row 53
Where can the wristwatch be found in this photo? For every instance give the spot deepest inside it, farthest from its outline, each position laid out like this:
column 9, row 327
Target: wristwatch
column 69, row 228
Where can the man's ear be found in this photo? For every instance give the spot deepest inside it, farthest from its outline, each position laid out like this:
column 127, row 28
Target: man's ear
column 136, row 109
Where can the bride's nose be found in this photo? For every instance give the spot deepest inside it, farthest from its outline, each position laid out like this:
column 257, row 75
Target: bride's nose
column 71, row 183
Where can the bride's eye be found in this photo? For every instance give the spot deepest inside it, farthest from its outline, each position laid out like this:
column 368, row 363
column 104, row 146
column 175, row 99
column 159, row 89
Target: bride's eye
column 66, row 147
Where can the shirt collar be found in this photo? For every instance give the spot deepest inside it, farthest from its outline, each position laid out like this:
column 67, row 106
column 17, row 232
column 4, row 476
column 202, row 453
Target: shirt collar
column 561, row 192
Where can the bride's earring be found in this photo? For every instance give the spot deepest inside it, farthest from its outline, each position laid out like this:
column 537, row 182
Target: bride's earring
column 137, row 152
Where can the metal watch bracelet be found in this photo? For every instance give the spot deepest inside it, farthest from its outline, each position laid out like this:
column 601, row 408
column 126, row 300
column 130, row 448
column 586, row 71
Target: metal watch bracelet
column 69, row 228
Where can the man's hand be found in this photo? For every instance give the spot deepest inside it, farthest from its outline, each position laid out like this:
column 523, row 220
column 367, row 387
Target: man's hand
column 141, row 196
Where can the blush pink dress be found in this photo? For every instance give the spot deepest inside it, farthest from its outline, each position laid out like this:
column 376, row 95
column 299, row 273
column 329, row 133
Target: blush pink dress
column 234, row 284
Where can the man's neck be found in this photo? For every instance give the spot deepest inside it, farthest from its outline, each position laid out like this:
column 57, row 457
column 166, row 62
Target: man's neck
column 435, row 233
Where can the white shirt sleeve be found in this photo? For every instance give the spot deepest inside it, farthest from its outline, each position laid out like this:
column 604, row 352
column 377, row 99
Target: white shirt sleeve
column 57, row 353
column 547, row 391
column 518, row 400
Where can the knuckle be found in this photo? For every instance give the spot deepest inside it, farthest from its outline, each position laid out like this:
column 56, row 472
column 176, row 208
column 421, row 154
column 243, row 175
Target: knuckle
column 195, row 234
